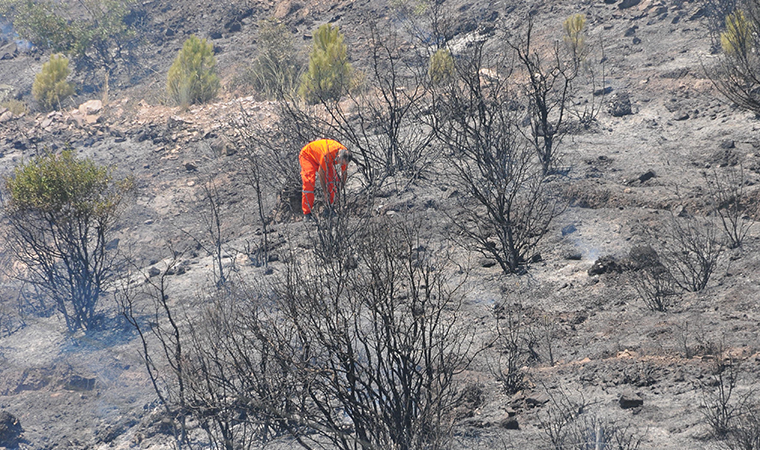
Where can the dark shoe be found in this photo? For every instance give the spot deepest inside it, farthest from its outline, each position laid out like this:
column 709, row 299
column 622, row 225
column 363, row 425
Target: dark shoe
column 308, row 218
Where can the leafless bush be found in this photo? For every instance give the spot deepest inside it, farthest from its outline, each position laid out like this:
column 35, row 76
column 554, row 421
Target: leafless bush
column 508, row 206
column 357, row 344
column 161, row 339
column 550, row 89
column 383, row 339
column 650, row 278
column 720, row 406
column 690, row 251
column 745, row 430
column 570, row 425
column 730, row 202
column 515, row 347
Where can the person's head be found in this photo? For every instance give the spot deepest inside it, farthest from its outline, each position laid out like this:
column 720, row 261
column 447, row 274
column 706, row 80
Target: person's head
column 344, row 157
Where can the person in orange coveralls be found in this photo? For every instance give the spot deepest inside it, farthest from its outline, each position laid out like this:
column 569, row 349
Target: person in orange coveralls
column 319, row 160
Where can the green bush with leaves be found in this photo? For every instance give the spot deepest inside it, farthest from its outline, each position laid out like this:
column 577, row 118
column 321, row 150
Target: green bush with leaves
column 275, row 71
column 50, row 87
column 192, row 78
column 16, row 107
column 62, row 211
column 96, row 33
column 441, row 67
column 41, row 23
column 330, row 74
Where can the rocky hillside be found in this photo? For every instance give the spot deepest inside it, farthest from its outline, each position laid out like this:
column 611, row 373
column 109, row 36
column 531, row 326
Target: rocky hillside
column 662, row 128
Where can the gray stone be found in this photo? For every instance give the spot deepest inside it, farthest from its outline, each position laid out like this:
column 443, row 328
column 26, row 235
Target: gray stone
column 509, row 423
column 10, row 430
column 648, row 175
column 486, row 262
column 620, row 105
column 630, row 400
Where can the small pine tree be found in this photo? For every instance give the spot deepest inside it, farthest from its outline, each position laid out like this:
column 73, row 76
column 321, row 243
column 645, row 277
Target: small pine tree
column 330, row 74
column 50, row 87
column 737, row 39
column 575, row 35
column 441, row 67
column 192, row 78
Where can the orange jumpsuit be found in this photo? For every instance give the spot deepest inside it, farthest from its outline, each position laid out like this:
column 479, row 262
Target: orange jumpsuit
column 316, row 155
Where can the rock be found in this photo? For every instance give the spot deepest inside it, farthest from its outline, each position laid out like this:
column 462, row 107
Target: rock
column 6, row 92
column 46, row 123
column 90, row 107
column 6, row 116
column 509, row 423
column 190, row 166
column 631, row 31
column 75, row 117
column 681, row 116
column 630, row 400
column 568, row 229
column 153, row 272
column 628, row 4
column 727, row 144
column 78, row 383
column 648, row 175
column 620, row 105
column 605, row 264
column 486, row 262
column 286, row 8
column 10, row 430
column 8, row 51
column 215, row 35
column 574, row 255
column 603, row 91
column 536, row 399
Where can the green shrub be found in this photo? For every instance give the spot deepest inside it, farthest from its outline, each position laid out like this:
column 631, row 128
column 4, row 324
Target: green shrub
column 575, row 34
column 441, row 67
column 192, row 78
column 275, row 70
column 41, row 23
column 50, row 87
column 61, row 211
column 330, row 73
column 17, row 107
column 737, row 39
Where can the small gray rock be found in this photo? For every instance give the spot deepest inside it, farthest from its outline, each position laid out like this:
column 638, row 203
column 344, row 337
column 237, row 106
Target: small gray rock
column 10, row 430
column 509, row 423
column 486, row 262
column 630, row 400
column 620, row 105
column 646, row 176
